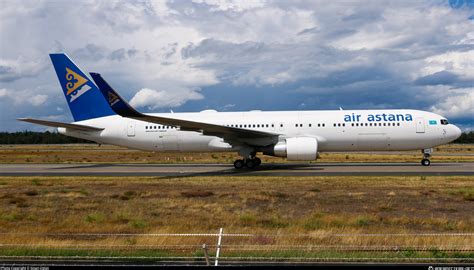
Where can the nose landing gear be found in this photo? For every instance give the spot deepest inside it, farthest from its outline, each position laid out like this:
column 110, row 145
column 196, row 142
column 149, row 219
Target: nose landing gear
column 426, row 155
column 425, row 162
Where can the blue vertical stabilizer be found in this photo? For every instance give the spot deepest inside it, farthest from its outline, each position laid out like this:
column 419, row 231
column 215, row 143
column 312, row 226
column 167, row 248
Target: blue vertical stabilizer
column 82, row 95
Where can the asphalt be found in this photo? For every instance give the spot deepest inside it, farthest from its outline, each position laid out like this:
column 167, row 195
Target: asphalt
column 282, row 169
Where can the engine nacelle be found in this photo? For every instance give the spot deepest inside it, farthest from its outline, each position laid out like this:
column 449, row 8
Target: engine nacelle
column 298, row 148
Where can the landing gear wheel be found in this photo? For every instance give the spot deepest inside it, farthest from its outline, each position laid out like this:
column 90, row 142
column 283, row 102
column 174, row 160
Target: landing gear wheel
column 258, row 161
column 239, row 164
column 425, row 162
column 250, row 163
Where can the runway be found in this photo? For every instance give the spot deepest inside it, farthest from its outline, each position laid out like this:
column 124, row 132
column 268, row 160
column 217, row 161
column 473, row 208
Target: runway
column 281, row 169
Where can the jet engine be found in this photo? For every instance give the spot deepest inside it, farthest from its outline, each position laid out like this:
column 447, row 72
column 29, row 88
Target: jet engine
column 297, row 148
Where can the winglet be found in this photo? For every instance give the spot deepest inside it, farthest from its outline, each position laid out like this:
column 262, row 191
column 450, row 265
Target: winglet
column 116, row 102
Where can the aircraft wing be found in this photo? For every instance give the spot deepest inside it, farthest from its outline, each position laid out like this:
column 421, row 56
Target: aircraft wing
column 60, row 124
column 121, row 107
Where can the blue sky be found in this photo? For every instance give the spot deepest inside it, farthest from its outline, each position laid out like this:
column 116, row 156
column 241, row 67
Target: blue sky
column 242, row 55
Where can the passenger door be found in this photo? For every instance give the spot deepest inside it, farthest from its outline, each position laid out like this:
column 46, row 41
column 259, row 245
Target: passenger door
column 131, row 129
column 420, row 125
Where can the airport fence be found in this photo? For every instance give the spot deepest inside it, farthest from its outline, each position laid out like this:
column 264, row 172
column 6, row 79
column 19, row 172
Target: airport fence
column 221, row 247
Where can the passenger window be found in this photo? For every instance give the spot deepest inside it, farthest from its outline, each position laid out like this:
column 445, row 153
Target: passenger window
column 309, row 125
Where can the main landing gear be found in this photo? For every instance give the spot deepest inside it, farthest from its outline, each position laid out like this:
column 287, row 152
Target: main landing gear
column 426, row 156
column 250, row 163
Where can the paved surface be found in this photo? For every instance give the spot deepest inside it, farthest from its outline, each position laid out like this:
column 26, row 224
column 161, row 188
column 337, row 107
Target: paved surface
column 170, row 170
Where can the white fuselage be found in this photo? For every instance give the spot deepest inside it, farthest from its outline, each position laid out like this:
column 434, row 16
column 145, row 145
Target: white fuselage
column 351, row 130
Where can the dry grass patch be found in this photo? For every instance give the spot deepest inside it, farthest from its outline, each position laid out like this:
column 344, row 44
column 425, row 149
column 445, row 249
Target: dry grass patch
column 281, row 210
column 91, row 153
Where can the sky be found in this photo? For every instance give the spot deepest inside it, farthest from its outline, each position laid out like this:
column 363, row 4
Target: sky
column 240, row 55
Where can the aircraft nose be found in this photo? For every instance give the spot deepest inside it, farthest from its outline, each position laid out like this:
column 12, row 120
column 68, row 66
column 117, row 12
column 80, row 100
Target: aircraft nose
column 456, row 132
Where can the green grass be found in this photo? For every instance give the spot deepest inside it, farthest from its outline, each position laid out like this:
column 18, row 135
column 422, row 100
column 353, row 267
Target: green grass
column 95, row 218
column 466, row 193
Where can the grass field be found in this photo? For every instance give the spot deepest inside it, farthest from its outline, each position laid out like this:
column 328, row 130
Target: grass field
column 284, row 213
column 91, row 153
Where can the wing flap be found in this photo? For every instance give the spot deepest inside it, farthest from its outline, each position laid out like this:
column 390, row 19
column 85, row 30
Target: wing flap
column 60, row 124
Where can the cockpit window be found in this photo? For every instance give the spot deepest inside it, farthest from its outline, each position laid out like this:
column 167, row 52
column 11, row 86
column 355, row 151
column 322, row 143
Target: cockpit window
column 444, row 122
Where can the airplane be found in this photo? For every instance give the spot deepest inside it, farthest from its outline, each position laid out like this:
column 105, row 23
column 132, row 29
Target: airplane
column 102, row 115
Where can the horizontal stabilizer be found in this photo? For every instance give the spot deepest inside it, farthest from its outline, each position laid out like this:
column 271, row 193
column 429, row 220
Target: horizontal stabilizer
column 60, row 124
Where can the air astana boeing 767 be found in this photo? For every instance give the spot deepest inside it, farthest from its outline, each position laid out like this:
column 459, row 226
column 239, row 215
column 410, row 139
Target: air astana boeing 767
column 101, row 115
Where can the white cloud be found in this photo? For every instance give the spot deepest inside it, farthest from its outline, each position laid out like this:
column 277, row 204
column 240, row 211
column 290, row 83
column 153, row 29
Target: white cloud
column 234, row 5
column 360, row 52
column 155, row 99
column 460, row 63
column 38, row 100
column 460, row 105
column 12, row 70
column 23, row 97
column 3, row 92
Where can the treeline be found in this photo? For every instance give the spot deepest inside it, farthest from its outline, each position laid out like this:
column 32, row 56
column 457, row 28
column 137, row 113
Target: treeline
column 30, row 137
column 466, row 137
